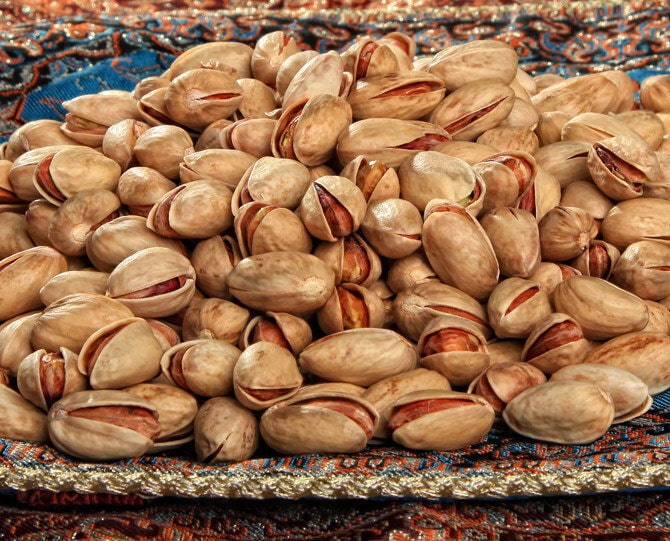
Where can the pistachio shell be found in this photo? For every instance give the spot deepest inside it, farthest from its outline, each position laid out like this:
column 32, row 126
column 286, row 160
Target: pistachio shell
column 21, row 420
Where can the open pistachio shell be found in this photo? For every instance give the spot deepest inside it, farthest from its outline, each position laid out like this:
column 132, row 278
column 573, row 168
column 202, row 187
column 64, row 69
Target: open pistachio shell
column 21, row 420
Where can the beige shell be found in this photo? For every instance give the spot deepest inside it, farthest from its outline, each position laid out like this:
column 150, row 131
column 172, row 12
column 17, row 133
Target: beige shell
column 163, row 148
column 393, row 227
column 225, row 431
column 455, row 348
column 645, row 354
column 516, row 305
column 23, row 274
column 292, row 282
column 213, row 259
column 360, row 356
column 352, row 260
column 15, row 340
column 319, row 420
column 223, row 164
column 323, row 74
column 643, row 218
column 502, row 381
column 44, row 378
column 118, row 143
column 351, row 306
column 121, row 354
column 602, row 309
column 440, row 420
column 21, row 420
column 507, row 176
column 629, row 393
column 203, row 367
column 264, row 374
column 153, row 282
column 214, row 318
column 384, row 393
column 214, row 55
column 374, row 178
column 408, row 271
column 292, row 332
column 565, row 232
column 556, row 340
column 103, row 425
column 69, row 321
column 567, row 412
column 459, row 250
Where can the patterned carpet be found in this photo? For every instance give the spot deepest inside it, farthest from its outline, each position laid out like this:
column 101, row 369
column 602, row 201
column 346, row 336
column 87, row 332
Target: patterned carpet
column 51, row 51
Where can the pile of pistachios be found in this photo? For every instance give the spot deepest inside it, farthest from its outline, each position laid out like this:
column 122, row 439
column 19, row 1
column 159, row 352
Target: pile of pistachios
column 315, row 252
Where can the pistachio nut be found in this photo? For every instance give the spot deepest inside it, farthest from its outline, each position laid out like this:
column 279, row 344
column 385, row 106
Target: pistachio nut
column 140, row 187
column 103, row 425
column 360, row 356
column 288, row 68
column 163, row 148
column 15, row 234
column 406, row 272
column 293, row 282
column 213, row 259
column 214, row 318
column 203, row 367
column 629, row 393
column 351, row 306
column 223, row 164
column 440, row 420
column 644, row 354
column 221, row 55
column 118, row 142
column 15, row 340
column 586, row 195
column 643, row 218
column 502, row 381
column 352, row 260
column 21, row 420
column 374, row 178
column 286, row 330
column 385, row 392
column 645, row 123
column 393, row 227
column 598, row 260
column 44, row 377
column 455, row 348
column 265, row 373
column 565, row 232
column 225, row 431
column 567, row 412
column 654, row 93
column 549, row 273
column 566, row 160
column 121, row 354
column 319, row 421
column 508, row 176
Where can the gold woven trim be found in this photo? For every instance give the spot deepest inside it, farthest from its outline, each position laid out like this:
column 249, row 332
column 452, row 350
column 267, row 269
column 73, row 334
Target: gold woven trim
column 294, row 485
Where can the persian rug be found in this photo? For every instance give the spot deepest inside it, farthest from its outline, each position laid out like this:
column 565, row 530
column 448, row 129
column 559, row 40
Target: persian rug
column 504, row 487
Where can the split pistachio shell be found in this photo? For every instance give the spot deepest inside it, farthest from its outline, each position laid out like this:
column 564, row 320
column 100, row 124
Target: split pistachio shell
column 352, row 260
column 643, row 218
column 153, row 282
column 455, row 348
column 408, row 271
column 502, row 381
column 23, row 168
column 629, row 393
column 15, row 340
column 176, row 410
column 262, row 227
column 79, row 216
column 225, row 165
column 566, row 160
column 73, row 169
column 645, row 354
column 69, row 321
column 21, row 420
column 515, row 238
column 319, row 421
column 549, row 273
column 214, row 318
column 515, row 306
column 645, row 123
column 359, row 356
column 375, row 179
column 323, row 74
column 103, row 425
column 203, row 367
column 121, row 354
column 351, row 306
column 196, row 210
column 44, row 378
column 602, row 309
column 213, row 259
column 567, row 412
column 440, row 420
column 225, row 431
column 223, row 55
column 414, row 307
column 122, row 237
column 292, row 282
column 23, row 274
column 405, row 95
column 565, row 232
column 459, row 250
column 460, row 64
column 384, row 393
column 597, row 260
column 118, row 142
column 264, row 374
column 507, row 177
column 393, row 227
column 433, row 175
column 473, row 108
column 556, row 340
column 140, row 187
column 289, row 331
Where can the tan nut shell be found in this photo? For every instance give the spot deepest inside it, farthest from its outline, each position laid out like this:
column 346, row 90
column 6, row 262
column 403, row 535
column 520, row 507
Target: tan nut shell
column 643, row 218
column 149, row 268
column 74, row 281
column 121, row 354
column 15, row 340
column 645, row 354
column 263, row 367
column 295, row 427
column 359, row 356
column 21, row 420
column 214, row 318
column 393, row 227
column 568, row 412
column 292, row 282
column 447, row 429
column 225, row 431
column 629, row 393
column 602, row 309
column 92, row 439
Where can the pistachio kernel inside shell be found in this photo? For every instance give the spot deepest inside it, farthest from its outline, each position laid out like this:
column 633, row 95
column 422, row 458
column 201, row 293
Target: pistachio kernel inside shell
column 364, row 59
column 52, row 377
column 368, row 176
column 356, row 263
column 466, row 120
column 340, row 221
column 555, row 336
column 446, row 340
column 409, row 412
column 267, row 330
column 521, row 298
column 349, row 408
column 621, row 169
column 135, row 418
column 354, row 310
column 45, row 180
column 166, row 286
column 425, row 142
